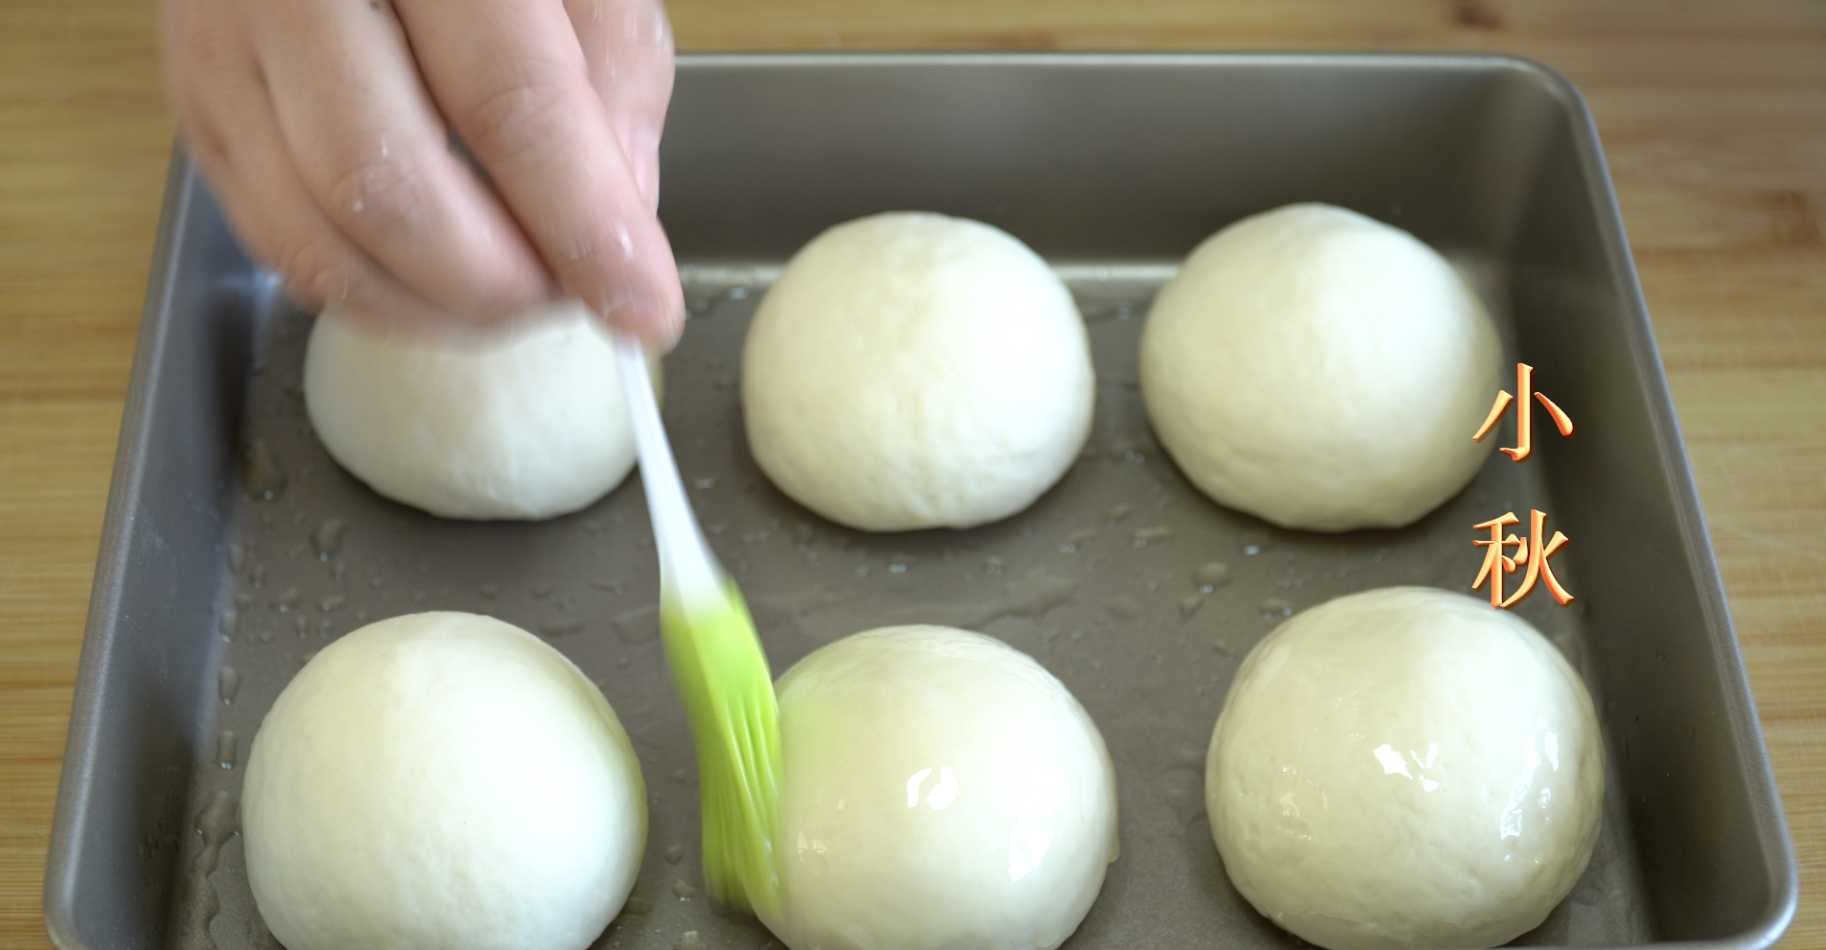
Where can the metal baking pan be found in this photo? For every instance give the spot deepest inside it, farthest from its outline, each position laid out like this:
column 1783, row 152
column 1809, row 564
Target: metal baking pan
column 234, row 547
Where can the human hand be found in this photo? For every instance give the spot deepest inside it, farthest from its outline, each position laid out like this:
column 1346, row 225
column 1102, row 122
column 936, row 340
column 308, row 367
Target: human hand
column 325, row 127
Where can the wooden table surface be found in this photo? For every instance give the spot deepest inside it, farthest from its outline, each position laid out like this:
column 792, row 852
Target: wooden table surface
column 1713, row 116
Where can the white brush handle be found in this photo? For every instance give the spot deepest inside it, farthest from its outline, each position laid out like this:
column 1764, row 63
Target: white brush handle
column 685, row 563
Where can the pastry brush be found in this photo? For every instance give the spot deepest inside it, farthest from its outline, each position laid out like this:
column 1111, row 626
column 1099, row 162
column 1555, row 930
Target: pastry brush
column 717, row 665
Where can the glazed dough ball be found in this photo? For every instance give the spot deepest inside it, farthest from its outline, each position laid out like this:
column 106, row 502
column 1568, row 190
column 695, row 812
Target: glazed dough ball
column 1321, row 370
column 916, row 371
column 525, row 423
column 441, row 780
column 1405, row 767
column 941, row 790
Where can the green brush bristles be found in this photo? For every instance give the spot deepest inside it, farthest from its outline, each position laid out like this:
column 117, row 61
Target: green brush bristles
column 722, row 678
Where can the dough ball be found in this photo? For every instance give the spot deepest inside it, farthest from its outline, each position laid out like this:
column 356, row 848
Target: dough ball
column 527, row 422
column 941, row 790
column 911, row 370
column 441, row 780
column 1405, row 767
column 1321, row 370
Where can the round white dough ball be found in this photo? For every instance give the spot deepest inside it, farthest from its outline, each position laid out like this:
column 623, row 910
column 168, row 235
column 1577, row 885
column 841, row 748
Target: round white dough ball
column 441, row 780
column 1405, row 767
column 940, row 790
column 911, row 370
column 526, row 422
column 1321, row 370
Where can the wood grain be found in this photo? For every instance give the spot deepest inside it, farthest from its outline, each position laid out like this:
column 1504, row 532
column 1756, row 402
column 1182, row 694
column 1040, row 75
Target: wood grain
column 1713, row 116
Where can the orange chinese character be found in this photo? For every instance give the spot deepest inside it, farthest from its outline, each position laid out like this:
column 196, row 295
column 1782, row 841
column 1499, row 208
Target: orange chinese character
column 1530, row 553
column 1524, row 414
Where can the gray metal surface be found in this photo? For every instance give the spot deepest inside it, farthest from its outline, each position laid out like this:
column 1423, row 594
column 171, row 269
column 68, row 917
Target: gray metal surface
column 234, row 547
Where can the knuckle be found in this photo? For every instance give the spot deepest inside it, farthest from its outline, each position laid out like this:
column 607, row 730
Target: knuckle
column 201, row 48
column 514, row 117
column 191, row 41
column 375, row 193
column 205, row 144
column 311, row 269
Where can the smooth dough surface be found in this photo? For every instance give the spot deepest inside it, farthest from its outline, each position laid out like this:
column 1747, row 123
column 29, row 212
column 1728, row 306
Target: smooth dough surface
column 911, row 370
column 1321, row 370
column 441, row 780
column 1405, row 767
column 941, row 791
column 522, row 424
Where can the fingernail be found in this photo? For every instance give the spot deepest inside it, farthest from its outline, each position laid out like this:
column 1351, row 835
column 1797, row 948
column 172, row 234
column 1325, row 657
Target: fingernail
column 643, row 156
column 650, row 318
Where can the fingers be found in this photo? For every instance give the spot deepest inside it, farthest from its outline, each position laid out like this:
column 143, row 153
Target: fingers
column 513, row 80
column 271, row 209
column 627, row 46
column 375, row 157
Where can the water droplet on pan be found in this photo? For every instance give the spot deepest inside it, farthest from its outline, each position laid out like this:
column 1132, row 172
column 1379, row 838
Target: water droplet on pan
column 1151, row 535
column 637, row 626
column 1183, row 785
column 1122, row 607
column 228, row 683
column 286, row 600
column 326, row 539
column 1189, row 604
column 214, row 824
column 262, row 477
column 1029, row 598
column 199, row 914
column 561, row 627
column 1211, row 575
